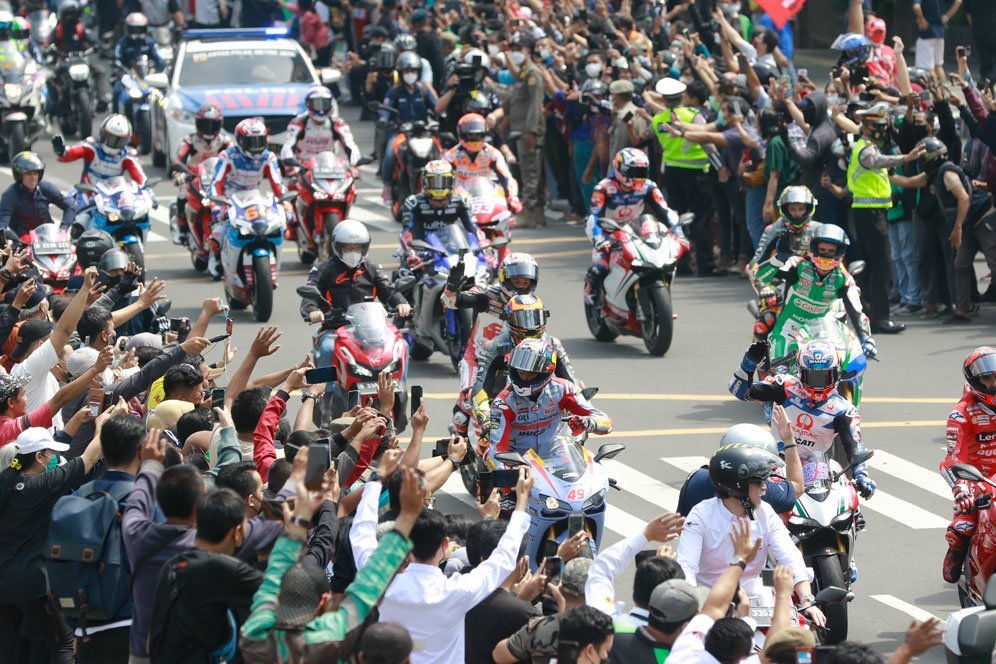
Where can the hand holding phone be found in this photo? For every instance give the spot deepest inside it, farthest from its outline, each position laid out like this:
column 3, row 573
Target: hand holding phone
column 217, row 401
column 319, row 460
column 554, row 568
column 319, row 375
column 416, row 397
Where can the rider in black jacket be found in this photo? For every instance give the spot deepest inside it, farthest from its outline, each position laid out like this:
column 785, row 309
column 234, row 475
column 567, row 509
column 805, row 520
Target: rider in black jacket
column 24, row 206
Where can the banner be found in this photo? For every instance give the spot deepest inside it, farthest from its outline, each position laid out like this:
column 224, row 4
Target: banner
column 781, row 11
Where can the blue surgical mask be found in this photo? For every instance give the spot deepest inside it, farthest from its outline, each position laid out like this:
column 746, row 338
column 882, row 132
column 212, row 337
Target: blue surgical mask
column 505, row 77
column 545, row 54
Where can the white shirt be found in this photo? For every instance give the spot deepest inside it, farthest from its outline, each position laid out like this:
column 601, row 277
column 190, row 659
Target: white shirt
column 705, row 549
column 689, row 647
column 43, row 384
column 432, row 606
column 599, row 589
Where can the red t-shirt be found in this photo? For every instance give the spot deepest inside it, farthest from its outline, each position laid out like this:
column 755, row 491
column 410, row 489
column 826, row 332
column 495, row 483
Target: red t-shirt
column 11, row 427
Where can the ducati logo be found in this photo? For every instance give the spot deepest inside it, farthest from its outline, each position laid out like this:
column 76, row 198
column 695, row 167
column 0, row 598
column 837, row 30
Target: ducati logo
column 804, row 421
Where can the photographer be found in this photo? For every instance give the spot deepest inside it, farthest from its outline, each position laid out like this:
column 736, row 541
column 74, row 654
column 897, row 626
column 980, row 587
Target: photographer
column 466, row 86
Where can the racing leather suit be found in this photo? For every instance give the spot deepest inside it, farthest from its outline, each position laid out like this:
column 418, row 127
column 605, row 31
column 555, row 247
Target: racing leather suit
column 483, row 164
column 776, row 238
column 310, row 138
column 100, row 165
column 971, row 434
column 237, row 172
column 192, row 152
column 520, row 423
column 419, row 218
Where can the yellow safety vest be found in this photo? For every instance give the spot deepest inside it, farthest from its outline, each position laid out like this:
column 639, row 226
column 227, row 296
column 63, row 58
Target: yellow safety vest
column 869, row 188
column 676, row 151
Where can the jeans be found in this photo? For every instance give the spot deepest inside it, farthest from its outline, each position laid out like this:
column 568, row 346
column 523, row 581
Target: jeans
column 389, row 158
column 325, row 350
column 45, row 617
column 755, row 214
column 905, row 261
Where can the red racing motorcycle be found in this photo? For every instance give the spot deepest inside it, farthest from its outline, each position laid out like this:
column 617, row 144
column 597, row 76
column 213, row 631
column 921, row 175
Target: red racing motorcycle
column 198, row 189
column 980, row 564
column 326, row 190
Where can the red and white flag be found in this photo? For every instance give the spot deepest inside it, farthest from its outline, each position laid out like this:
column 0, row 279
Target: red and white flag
column 781, row 11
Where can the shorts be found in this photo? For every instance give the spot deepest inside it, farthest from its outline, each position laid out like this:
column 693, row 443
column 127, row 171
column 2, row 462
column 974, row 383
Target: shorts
column 930, row 52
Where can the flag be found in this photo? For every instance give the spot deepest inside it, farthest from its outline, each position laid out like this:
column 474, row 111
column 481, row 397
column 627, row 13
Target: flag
column 781, row 11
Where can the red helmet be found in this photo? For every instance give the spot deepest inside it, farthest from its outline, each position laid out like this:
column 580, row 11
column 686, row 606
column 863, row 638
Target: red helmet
column 208, row 121
column 981, row 362
column 251, row 135
column 471, row 131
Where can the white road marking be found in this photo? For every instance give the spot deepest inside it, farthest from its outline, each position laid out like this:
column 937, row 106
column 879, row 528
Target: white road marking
column 643, row 486
column 900, row 468
column 915, row 612
column 686, row 464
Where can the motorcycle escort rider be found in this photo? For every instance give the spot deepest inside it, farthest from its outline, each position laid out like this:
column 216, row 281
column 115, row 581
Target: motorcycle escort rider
column 348, row 278
column 526, row 413
column 622, row 197
column 242, row 168
column 207, row 142
column 791, row 233
column 136, row 43
column 971, row 434
column 518, row 274
column 436, row 207
column 408, row 101
column 107, row 156
column 24, row 205
column 472, row 157
column 740, row 473
column 70, row 36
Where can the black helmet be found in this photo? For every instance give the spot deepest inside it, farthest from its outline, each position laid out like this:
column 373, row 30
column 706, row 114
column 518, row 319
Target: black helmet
column 113, row 259
column 91, row 245
column 935, row 153
column 733, row 467
column 386, row 57
column 26, row 162
column 69, row 12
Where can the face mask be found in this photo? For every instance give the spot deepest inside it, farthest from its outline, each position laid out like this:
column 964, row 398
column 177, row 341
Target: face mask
column 352, row 258
column 517, row 58
column 546, row 55
column 409, row 78
column 833, row 100
column 593, row 69
column 53, row 463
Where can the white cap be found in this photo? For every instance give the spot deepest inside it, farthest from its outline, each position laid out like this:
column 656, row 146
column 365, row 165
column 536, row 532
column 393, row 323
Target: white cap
column 670, row 87
column 37, row 439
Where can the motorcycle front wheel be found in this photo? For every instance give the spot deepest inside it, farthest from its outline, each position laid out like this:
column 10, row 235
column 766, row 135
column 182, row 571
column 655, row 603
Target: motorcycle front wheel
column 262, row 297
column 658, row 323
column 16, row 141
column 84, row 113
column 827, row 572
column 329, row 222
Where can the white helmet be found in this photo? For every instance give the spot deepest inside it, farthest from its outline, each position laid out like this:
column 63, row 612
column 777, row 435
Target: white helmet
column 115, row 133
column 485, row 61
column 350, row 232
column 752, row 435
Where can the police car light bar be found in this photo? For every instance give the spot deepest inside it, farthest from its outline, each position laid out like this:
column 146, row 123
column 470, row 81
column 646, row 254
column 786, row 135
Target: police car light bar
column 237, row 33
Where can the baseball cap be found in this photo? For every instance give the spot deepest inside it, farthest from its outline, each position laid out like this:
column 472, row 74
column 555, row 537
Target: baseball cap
column 574, row 576
column 145, row 340
column 418, row 17
column 10, row 384
column 300, row 593
column 786, row 641
column 30, row 332
column 386, row 642
column 37, row 439
column 621, row 87
column 676, row 600
column 81, row 360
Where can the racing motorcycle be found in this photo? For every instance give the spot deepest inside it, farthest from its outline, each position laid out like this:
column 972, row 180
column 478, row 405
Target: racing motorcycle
column 53, row 255
column 437, row 327
column 72, row 101
column 367, row 345
column 980, row 565
column 824, row 526
column 250, row 248
column 120, row 207
column 489, row 210
column 636, row 293
column 421, row 143
column 21, row 107
column 325, row 193
column 199, row 188
column 136, row 105
column 569, row 492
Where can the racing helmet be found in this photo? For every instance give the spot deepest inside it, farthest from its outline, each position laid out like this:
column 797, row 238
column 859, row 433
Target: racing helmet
column 471, row 131
column 752, row 435
column 386, row 57
column 478, row 102
column 115, row 133
column 92, row 245
column 819, row 369
column 136, row 25
column 437, row 181
column 27, row 162
column 875, row 30
column 113, row 259
column 526, row 317
column 405, row 42
column 6, row 24
column 733, row 467
column 935, row 153
column 350, row 232
column 981, row 362
column 531, row 366
column 518, row 266
column 320, row 103
column 21, row 29
column 794, row 195
column 69, row 13
column 251, row 137
column 830, row 234
column 408, row 61
column 631, row 167
column 208, row 121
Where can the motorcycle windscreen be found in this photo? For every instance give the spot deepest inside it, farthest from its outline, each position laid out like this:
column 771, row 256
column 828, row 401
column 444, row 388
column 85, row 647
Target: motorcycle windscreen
column 12, row 63
column 369, row 323
column 563, row 458
column 817, row 473
column 452, row 238
column 207, row 169
column 480, row 187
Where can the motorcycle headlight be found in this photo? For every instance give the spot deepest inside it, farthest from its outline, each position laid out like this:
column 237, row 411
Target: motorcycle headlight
column 360, row 371
column 320, row 195
column 113, row 216
column 389, row 367
column 594, row 502
column 13, row 91
column 553, row 505
column 134, row 93
column 259, row 227
column 79, row 72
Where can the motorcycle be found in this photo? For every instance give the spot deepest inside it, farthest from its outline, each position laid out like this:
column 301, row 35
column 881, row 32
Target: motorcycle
column 569, row 492
column 163, row 35
column 53, row 255
column 421, row 143
column 824, row 526
column 970, row 634
column 120, row 207
column 325, row 193
column 42, row 23
column 762, row 609
column 250, row 246
column 636, row 294
column 135, row 102
column 199, row 188
column 71, row 99
column 437, row 327
column 21, row 107
column 980, row 565
column 367, row 345
column 489, row 210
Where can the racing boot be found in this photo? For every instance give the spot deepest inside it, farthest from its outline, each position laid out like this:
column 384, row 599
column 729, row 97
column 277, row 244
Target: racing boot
column 593, row 284
column 954, row 559
column 214, row 266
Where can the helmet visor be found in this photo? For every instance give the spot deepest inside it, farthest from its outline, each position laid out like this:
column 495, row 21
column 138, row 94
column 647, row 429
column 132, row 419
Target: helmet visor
column 436, row 182
column 818, row 379
column 114, row 142
column 527, row 319
column 520, row 271
column 207, row 126
column 253, row 144
column 983, row 366
column 320, row 104
column 524, row 359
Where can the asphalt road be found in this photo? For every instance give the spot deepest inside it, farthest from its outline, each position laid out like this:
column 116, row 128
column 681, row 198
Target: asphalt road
column 671, row 411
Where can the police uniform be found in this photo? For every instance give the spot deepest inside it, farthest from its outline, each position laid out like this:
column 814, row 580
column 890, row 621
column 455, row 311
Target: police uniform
column 524, row 107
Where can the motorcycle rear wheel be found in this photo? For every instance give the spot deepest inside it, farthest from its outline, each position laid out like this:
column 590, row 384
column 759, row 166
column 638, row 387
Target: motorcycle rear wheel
column 84, row 110
column 596, row 325
column 262, row 297
column 658, row 325
column 143, row 129
column 16, row 141
column 828, row 573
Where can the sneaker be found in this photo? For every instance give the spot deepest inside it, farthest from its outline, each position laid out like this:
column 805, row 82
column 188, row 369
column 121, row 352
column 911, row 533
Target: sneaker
column 953, row 562
column 214, row 266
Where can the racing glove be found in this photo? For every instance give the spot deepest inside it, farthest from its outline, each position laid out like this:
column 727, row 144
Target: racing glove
column 754, row 355
column 869, row 348
column 58, row 145
column 515, row 205
column 602, row 245
column 865, row 485
column 964, row 498
column 579, row 424
column 412, row 260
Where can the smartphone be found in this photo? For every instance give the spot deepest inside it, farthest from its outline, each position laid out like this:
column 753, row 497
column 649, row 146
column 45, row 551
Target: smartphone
column 95, row 397
column 803, row 73
column 319, row 460
column 217, row 401
column 229, row 324
column 505, row 479
column 485, row 485
column 628, row 116
column 122, row 344
column 319, row 375
column 441, row 448
column 968, row 51
column 554, row 568
column 924, row 95
column 108, row 401
column 175, row 324
column 785, row 80
column 575, row 524
column 803, row 656
column 102, row 278
column 416, row 397
column 548, row 549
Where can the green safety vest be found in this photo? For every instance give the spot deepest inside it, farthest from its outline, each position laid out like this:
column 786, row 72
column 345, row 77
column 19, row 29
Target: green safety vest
column 869, row 188
column 676, row 151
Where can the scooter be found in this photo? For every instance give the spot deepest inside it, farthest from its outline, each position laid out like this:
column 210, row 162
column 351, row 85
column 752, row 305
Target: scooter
column 980, row 565
column 120, row 207
column 636, row 294
column 53, row 255
column 824, row 526
column 198, row 189
column 325, row 193
column 367, row 345
column 21, row 107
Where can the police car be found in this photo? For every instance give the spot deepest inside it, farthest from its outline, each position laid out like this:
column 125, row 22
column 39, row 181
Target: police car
column 245, row 72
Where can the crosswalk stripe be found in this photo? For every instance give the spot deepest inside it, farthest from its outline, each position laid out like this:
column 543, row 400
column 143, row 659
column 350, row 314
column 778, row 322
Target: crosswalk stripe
column 633, row 481
column 914, row 611
column 900, row 468
column 686, row 464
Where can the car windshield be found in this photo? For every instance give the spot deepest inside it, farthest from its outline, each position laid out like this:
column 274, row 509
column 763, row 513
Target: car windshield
column 369, row 322
column 244, row 66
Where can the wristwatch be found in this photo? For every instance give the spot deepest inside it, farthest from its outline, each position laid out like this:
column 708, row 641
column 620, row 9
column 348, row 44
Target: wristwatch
column 808, row 598
column 306, row 394
column 456, row 462
column 737, row 560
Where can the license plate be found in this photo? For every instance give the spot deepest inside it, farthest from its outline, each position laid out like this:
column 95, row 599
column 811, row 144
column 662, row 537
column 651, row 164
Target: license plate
column 366, row 388
column 762, row 615
column 52, row 247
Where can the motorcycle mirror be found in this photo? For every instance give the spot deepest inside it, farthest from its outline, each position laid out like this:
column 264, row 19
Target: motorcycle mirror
column 287, row 196
column 375, row 106
column 152, row 183
column 513, row 136
column 498, row 243
column 608, row 451
column 363, row 161
column 752, row 308
column 964, row 471
column 422, row 244
column 309, row 292
column 448, row 137
column 157, row 80
column 609, row 225
column 291, row 161
column 831, row 595
column 589, row 392
column 83, row 186
column 511, row 459
column 686, row 218
column 856, row 268
column 175, row 168
column 858, row 459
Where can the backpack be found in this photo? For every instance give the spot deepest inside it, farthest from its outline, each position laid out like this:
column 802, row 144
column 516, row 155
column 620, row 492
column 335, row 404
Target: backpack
column 88, row 570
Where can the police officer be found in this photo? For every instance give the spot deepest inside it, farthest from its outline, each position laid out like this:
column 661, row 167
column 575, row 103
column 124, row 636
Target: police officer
column 24, row 206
